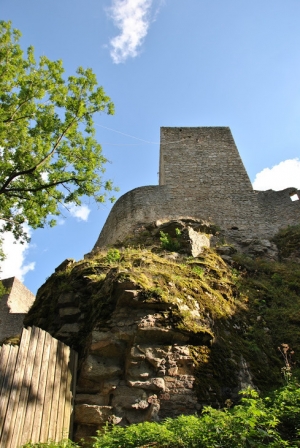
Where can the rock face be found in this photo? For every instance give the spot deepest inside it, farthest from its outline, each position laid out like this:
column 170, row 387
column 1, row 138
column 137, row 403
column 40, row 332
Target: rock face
column 137, row 369
column 161, row 334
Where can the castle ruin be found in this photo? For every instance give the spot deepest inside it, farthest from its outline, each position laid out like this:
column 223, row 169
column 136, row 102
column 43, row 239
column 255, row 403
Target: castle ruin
column 201, row 175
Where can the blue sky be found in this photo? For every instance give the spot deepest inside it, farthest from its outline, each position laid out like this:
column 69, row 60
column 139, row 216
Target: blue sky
column 229, row 63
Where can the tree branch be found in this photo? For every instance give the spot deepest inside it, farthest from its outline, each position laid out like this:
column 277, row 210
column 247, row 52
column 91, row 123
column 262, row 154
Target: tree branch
column 3, row 189
column 41, row 187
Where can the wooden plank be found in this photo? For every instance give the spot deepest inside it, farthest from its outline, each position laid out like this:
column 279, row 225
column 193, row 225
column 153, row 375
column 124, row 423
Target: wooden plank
column 74, row 382
column 3, row 362
column 55, row 397
column 62, row 393
column 42, row 379
column 34, row 387
column 38, row 416
column 6, row 386
column 15, row 389
column 25, row 388
column 68, row 402
column 49, row 392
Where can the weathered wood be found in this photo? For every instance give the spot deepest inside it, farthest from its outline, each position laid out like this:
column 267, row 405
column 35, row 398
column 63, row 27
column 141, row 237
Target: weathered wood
column 5, row 349
column 25, row 388
column 15, row 389
column 33, row 393
column 40, row 404
column 62, row 392
column 6, row 386
column 56, row 387
column 74, row 382
column 49, row 392
column 71, row 378
column 37, row 383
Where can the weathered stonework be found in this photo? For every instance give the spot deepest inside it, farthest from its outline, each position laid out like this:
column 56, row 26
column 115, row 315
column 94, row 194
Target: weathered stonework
column 13, row 307
column 202, row 176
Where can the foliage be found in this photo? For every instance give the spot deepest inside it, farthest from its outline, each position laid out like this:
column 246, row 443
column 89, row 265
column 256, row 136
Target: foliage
column 61, row 444
column 113, row 255
column 287, row 353
column 272, row 421
column 3, row 290
column 168, row 243
column 50, row 158
column 271, row 291
column 254, row 422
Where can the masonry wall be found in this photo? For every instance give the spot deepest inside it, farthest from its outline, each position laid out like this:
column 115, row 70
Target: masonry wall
column 278, row 209
column 13, row 307
column 202, row 176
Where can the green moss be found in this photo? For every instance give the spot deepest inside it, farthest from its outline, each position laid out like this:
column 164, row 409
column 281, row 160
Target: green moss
column 228, row 313
column 12, row 340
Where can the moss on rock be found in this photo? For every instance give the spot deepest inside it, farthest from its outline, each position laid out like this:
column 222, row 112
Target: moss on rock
column 231, row 315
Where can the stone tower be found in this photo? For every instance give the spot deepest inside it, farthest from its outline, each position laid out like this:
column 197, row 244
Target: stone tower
column 202, row 176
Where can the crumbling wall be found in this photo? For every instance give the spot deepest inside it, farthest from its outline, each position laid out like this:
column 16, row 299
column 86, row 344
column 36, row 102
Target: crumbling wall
column 277, row 208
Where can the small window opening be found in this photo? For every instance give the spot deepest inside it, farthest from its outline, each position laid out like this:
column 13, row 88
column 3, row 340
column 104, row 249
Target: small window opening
column 111, row 396
column 294, row 196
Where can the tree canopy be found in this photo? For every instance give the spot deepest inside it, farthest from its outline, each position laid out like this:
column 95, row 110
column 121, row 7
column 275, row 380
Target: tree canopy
column 49, row 156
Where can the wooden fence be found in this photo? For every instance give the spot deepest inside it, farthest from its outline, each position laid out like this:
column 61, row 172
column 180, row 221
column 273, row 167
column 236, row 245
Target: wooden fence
column 37, row 382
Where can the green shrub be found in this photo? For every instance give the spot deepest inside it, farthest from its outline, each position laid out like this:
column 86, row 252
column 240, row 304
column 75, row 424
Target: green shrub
column 168, row 243
column 113, row 256
column 255, row 422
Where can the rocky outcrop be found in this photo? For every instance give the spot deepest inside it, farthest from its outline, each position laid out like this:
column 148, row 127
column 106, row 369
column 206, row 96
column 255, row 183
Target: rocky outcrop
column 138, row 368
column 163, row 333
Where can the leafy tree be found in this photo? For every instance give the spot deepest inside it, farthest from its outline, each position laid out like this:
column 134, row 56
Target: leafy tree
column 49, row 157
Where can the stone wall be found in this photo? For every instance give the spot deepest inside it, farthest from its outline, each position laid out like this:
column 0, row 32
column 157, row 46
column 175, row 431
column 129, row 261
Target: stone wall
column 13, row 307
column 202, row 176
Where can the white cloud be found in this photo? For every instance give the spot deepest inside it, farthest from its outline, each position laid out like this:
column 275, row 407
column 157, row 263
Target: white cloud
column 80, row 212
column 132, row 17
column 14, row 265
column 284, row 175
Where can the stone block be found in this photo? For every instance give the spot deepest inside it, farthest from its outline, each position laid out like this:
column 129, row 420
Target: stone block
column 87, row 414
column 96, row 368
column 156, row 384
column 69, row 313
column 92, row 399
